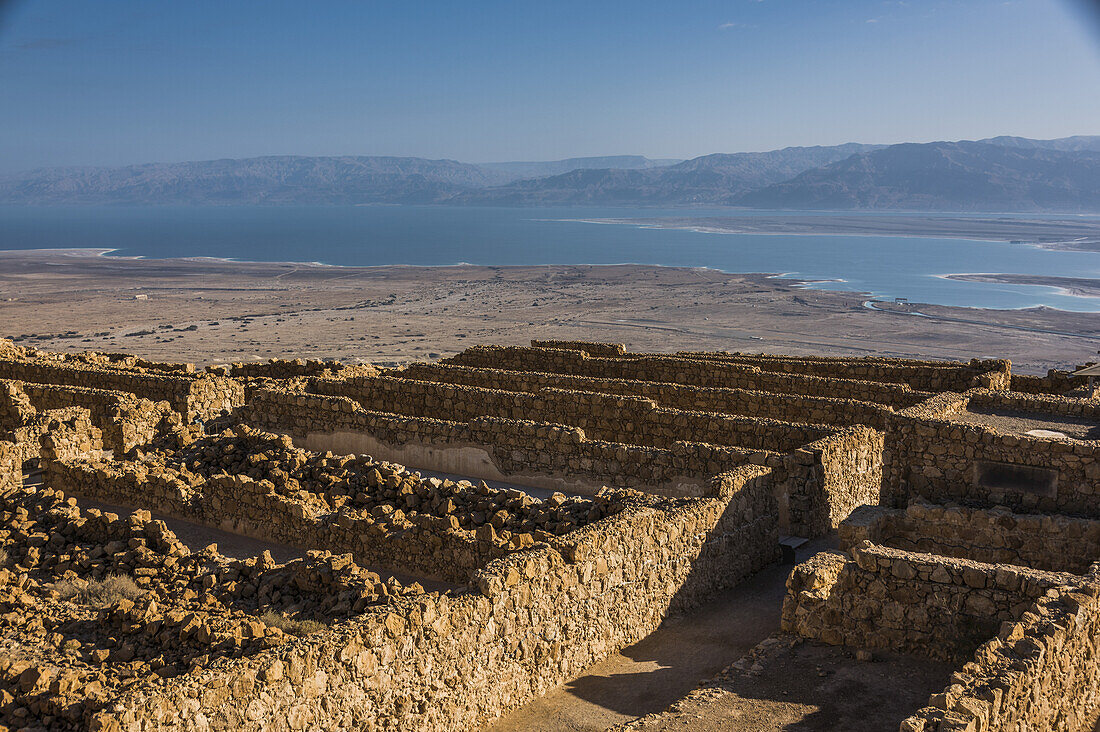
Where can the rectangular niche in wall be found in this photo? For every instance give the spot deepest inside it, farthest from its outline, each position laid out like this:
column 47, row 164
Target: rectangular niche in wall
column 1018, row 478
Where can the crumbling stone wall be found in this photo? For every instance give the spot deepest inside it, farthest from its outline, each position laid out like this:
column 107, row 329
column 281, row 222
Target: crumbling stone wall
column 77, row 635
column 592, row 348
column 543, row 455
column 688, row 371
column 16, row 409
column 879, row 597
column 11, row 465
column 934, row 376
column 611, row 417
column 65, row 432
column 125, row 420
column 443, row 662
column 1039, row 673
column 996, row 536
column 428, row 548
column 296, row 368
column 929, row 456
column 1055, row 382
column 762, row 404
column 199, row 396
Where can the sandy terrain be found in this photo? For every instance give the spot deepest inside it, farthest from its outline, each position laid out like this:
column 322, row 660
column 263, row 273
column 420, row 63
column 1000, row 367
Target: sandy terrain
column 794, row 686
column 1081, row 233
column 208, row 311
column 1080, row 286
column 1018, row 423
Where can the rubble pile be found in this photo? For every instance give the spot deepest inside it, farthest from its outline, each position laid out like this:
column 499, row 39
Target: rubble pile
column 385, row 490
column 92, row 604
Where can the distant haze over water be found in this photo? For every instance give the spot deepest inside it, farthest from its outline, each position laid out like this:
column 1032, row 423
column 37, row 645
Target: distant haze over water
column 884, row 266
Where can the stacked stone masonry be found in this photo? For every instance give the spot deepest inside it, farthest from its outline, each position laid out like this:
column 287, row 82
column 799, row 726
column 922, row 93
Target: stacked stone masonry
column 961, row 537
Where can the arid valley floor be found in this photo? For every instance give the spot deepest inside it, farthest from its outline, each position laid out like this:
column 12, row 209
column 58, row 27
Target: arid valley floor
column 210, row 311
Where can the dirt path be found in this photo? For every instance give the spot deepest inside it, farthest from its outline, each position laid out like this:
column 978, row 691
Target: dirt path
column 650, row 675
column 1019, row 423
column 795, row 686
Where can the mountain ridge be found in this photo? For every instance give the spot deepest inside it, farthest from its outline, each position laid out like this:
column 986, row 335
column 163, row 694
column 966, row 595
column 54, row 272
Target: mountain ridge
column 1000, row 173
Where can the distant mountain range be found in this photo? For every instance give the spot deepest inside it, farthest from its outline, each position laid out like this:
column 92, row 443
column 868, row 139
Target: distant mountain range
column 542, row 169
column 996, row 174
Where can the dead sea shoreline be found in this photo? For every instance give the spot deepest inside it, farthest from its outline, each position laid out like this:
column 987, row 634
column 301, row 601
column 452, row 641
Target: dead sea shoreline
column 1047, row 233
column 214, row 312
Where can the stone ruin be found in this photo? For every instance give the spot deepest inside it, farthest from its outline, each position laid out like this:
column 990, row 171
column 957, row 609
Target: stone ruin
column 964, row 501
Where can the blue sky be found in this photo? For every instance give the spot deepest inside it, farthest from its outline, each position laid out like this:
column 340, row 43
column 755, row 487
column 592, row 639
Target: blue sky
column 110, row 82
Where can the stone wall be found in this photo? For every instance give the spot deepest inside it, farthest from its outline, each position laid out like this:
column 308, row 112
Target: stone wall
column 1055, row 382
column 923, row 604
column 932, row 376
column 193, row 396
column 532, row 453
column 533, row 619
column 67, row 431
column 15, row 406
column 11, row 466
column 996, row 536
column 1040, row 673
column 821, row 483
column 252, row 508
column 1040, row 404
column 929, row 456
column 296, row 368
column 611, row 417
column 817, row 485
column 125, row 420
column 688, row 371
column 747, row 402
column 592, row 348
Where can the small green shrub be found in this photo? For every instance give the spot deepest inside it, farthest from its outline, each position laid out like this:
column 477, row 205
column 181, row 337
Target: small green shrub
column 293, row 627
column 99, row 593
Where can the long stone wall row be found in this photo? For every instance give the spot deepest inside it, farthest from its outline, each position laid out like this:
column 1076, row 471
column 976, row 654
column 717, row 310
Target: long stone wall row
column 687, row 371
column 539, row 454
column 531, row 620
column 611, row 417
column 750, row 403
column 816, row 485
column 197, row 396
column 932, row 376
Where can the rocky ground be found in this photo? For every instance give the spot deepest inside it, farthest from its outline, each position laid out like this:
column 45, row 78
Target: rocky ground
column 93, row 603
column 206, row 311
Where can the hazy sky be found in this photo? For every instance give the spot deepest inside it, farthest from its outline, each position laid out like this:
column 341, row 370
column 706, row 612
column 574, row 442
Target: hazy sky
column 116, row 82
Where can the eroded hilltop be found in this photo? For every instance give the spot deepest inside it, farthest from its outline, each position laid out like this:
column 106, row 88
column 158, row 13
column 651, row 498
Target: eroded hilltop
column 309, row 545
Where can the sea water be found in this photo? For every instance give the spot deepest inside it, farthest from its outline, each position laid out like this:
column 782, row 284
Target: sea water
column 882, row 266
